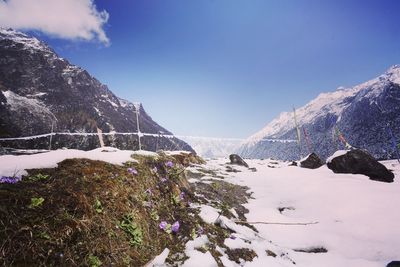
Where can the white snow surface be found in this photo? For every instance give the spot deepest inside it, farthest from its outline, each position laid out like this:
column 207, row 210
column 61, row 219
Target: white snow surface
column 197, row 258
column 17, row 165
column 208, row 214
column 160, row 259
column 357, row 217
column 331, row 102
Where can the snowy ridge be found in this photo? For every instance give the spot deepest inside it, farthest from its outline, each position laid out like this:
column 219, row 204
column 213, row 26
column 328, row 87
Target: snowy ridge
column 326, row 103
column 30, row 43
column 17, row 165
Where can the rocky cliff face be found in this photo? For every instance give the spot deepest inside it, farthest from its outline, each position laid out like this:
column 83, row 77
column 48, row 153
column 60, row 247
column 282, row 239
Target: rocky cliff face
column 363, row 114
column 38, row 89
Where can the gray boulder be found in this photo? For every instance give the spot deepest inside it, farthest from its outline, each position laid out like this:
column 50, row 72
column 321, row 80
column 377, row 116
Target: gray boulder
column 237, row 160
column 312, row 161
column 360, row 162
column 393, row 264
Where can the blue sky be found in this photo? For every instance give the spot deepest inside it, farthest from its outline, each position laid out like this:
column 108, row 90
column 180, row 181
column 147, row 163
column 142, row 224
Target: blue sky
column 225, row 68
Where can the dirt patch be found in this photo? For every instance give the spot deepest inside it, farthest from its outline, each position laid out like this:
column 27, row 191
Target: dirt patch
column 271, row 253
column 241, row 254
column 224, row 196
column 312, row 250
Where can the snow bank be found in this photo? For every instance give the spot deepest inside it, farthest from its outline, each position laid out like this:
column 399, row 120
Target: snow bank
column 160, row 259
column 197, row 258
column 357, row 218
column 17, row 165
column 208, row 214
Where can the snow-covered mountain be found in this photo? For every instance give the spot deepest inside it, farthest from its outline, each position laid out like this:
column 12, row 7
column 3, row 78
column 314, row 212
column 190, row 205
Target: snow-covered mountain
column 39, row 89
column 212, row 147
column 365, row 114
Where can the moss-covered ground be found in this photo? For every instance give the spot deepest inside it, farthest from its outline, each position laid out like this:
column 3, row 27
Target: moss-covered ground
column 92, row 213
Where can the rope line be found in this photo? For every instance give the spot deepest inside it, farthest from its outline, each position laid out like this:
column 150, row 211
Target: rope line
column 138, row 134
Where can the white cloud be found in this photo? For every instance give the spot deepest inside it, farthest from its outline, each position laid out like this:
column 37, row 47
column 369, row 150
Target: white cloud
column 69, row 19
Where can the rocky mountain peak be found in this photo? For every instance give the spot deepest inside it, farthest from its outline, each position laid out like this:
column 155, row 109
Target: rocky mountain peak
column 362, row 113
column 18, row 40
column 39, row 89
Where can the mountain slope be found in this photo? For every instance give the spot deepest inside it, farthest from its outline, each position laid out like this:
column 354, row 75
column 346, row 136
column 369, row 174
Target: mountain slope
column 363, row 113
column 38, row 89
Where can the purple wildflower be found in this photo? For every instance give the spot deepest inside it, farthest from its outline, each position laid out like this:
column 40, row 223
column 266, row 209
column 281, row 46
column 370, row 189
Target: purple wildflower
column 182, row 196
column 148, row 191
column 132, row 171
column 163, row 225
column 169, row 164
column 175, row 227
column 9, row 180
column 155, row 169
column 163, row 179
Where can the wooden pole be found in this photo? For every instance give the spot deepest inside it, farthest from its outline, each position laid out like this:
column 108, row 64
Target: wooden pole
column 51, row 135
column 100, row 135
column 297, row 131
column 137, row 108
column 276, row 223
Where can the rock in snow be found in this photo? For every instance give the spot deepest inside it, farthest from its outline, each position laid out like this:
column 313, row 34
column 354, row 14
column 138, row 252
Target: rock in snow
column 360, row 162
column 237, row 160
column 312, row 161
column 393, row 264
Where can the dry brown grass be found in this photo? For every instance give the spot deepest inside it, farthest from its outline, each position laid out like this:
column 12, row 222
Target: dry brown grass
column 81, row 219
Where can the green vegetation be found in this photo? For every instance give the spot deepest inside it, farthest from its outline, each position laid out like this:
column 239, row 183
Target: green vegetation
column 93, row 261
column 154, row 216
column 38, row 177
column 97, row 206
column 133, row 231
column 36, row 202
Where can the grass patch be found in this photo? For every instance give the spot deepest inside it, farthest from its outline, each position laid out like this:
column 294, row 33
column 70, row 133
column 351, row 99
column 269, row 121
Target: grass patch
column 36, row 202
column 133, row 231
column 92, row 213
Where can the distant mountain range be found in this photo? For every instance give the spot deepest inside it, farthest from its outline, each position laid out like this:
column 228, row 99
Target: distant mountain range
column 39, row 89
column 212, row 147
column 367, row 115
